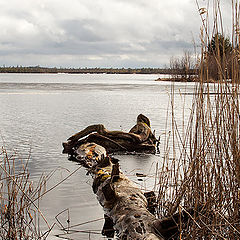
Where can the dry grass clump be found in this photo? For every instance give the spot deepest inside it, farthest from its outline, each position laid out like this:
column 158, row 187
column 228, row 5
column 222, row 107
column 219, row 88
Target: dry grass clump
column 201, row 168
column 19, row 215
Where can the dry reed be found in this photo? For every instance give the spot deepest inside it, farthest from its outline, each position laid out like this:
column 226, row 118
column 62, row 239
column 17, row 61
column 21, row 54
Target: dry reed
column 202, row 170
column 19, row 215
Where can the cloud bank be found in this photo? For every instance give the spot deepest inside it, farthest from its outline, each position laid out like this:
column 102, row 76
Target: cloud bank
column 96, row 33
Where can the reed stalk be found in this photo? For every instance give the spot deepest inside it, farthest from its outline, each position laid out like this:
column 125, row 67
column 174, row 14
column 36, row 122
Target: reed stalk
column 20, row 216
column 202, row 170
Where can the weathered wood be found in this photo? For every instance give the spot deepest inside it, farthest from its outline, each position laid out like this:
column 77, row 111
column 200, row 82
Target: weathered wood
column 139, row 138
column 124, row 203
column 128, row 211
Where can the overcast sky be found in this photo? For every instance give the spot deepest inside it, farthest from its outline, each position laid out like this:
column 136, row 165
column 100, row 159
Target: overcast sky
column 96, row 33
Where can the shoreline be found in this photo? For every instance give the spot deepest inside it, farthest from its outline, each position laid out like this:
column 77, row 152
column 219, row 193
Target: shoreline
column 176, row 79
column 38, row 69
column 182, row 79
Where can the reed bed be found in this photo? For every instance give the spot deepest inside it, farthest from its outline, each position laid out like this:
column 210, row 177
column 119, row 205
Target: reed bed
column 201, row 167
column 20, row 214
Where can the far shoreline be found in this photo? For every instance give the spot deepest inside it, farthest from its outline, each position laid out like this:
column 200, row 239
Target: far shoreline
column 39, row 69
column 178, row 79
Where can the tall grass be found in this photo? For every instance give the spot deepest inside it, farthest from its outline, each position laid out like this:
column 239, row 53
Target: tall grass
column 203, row 170
column 20, row 215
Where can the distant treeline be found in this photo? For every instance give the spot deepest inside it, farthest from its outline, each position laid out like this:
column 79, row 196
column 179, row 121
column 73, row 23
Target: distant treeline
column 38, row 69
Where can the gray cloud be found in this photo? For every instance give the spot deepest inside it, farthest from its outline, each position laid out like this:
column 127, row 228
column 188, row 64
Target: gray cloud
column 106, row 33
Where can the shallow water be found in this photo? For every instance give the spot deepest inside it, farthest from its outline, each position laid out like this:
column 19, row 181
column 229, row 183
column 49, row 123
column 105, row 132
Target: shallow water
column 40, row 111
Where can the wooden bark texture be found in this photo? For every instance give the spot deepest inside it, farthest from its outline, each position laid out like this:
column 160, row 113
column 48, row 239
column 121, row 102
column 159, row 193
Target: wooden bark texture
column 123, row 202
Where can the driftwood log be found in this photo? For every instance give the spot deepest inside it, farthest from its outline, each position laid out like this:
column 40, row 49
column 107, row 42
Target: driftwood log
column 124, row 204
column 140, row 138
column 128, row 211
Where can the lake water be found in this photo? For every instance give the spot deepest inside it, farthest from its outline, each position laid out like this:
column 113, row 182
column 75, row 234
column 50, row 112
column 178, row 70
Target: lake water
column 40, row 111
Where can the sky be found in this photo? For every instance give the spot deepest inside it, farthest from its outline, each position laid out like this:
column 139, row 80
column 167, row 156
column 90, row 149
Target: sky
column 97, row 33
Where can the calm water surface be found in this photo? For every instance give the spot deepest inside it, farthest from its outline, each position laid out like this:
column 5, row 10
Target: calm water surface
column 40, row 111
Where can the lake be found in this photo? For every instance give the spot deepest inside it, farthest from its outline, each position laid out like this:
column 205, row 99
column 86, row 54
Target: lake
column 40, row 111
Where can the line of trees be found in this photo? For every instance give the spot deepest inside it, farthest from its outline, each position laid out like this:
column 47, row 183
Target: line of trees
column 38, row 69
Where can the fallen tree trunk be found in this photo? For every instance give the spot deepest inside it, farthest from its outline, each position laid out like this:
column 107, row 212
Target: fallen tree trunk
column 128, row 211
column 124, row 204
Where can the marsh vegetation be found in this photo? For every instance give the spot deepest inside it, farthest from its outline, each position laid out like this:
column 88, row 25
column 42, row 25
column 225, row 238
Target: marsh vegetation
column 201, row 167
